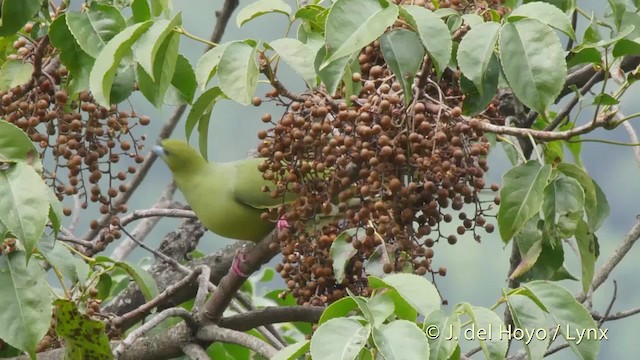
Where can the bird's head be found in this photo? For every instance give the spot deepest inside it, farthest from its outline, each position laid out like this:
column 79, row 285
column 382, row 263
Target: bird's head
column 178, row 155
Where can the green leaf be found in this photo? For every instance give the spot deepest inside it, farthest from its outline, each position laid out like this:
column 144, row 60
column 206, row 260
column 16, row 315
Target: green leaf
column 400, row 339
column 362, row 304
column 338, row 309
column 55, row 211
column 605, row 99
column 533, row 62
column 476, row 101
column 15, row 145
column 381, row 306
column 567, row 6
column 208, row 64
column 183, row 85
column 416, row 290
column 62, row 259
column 476, row 51
column 569, row 315
column 293, row 351
column 340, row 338
column 403, row 309
column 16, row 13
column 601, row 211
column 123, row 82
column 94, row 28
column 315, row 16
column 529, row 241
column 342, row 251
column 624, row 47
column 352, row 87
column 104, row 70
column 149, row 47
column 25, row 301
column 332, row 74
column 104, row 286
column 494, row 345
column 433, row 32
column 546, row 13
column 259, row 8
column 141, row 11
column 298, row 56
column 238, row 75
column 586, row 55
column 143, row 279
column 618, row 8
column 529, row 323
column 77, row 61
column 563, row 205
column 592, row 32
column 154, row 86
column 403, row 53
column 352, row 24
column 84, row 338
column 472, row 19
column 443, row 333
column 586, row 241
column 161, row 7
column 14, row 73
column 201, row 113
column 596, row 211
column 23, row 206
column 522, row 196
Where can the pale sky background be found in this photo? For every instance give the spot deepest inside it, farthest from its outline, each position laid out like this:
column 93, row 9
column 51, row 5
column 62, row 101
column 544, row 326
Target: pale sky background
column 476, row 272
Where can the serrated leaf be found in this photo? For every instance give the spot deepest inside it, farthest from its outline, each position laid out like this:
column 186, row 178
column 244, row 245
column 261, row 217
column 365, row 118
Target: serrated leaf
column 416, row 290
column 563, row 205
column 352, row 24
column 140, row 10
column 258, row 8
column 77, row 61
column 529, row 241
column 293, row 351
column 340, row 338
column 546, row 13
column 586, row 242
column 16, row 13
column 23, row 206
column 332, row 74
column 403, row 310
column 95, row 27
column 15, row 145
column 341, row 252
column 154, row 86
column 529, row 321
column 403, row 53
column 475, row 52
column 148, row 46
column 208, row 64
column 433, row 32
column 494, row 345
column 143, row 279
column 443, row 333
column 14, row 73
column 298, row 56
column 25, row 302
column 521, row 196
column 84, row 337
column 570, row 316
column 533, row 62
column 400, row 339
column 238, row 75
column 105, row 67
column 200, row 113
column 183, row 85
column 62, row 259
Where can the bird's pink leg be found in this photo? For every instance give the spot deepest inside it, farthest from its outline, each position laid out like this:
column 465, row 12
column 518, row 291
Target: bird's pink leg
column 235, row 266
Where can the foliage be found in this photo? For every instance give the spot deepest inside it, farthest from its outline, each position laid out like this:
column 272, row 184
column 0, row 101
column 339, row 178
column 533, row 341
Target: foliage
column 399, row 116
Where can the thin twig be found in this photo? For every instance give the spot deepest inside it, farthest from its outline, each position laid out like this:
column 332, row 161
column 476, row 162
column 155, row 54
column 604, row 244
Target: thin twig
column 571, row 104
column 608, row 310
column 617, row 316
column 212, row 333
column 203, row 289
column 146, row 327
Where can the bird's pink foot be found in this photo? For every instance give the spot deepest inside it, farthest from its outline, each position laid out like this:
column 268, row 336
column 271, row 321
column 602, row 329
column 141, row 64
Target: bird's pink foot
column 282, row 224
column 235, row 266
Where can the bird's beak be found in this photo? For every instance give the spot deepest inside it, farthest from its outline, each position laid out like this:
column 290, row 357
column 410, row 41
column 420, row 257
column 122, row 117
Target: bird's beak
column 158, row 150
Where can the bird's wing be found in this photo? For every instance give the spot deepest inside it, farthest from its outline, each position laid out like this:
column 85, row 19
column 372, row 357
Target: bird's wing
column 249, row 183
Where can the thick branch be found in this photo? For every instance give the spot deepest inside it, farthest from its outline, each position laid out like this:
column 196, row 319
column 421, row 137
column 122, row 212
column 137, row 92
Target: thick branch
column 272, row 315
column 213, row 333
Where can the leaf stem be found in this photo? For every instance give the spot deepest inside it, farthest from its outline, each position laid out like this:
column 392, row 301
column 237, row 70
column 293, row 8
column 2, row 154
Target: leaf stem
column 181, row 30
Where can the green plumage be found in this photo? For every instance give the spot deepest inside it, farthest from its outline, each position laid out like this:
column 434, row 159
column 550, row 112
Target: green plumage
column 226, row 197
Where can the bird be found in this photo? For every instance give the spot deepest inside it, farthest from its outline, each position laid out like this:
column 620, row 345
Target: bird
column 226, row 197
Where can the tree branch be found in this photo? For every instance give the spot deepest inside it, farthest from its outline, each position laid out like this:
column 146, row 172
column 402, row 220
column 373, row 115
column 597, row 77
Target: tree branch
column 213, row 333
column 272, row 315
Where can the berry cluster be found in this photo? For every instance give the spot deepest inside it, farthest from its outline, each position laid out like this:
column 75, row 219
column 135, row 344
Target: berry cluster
column 395, row 171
